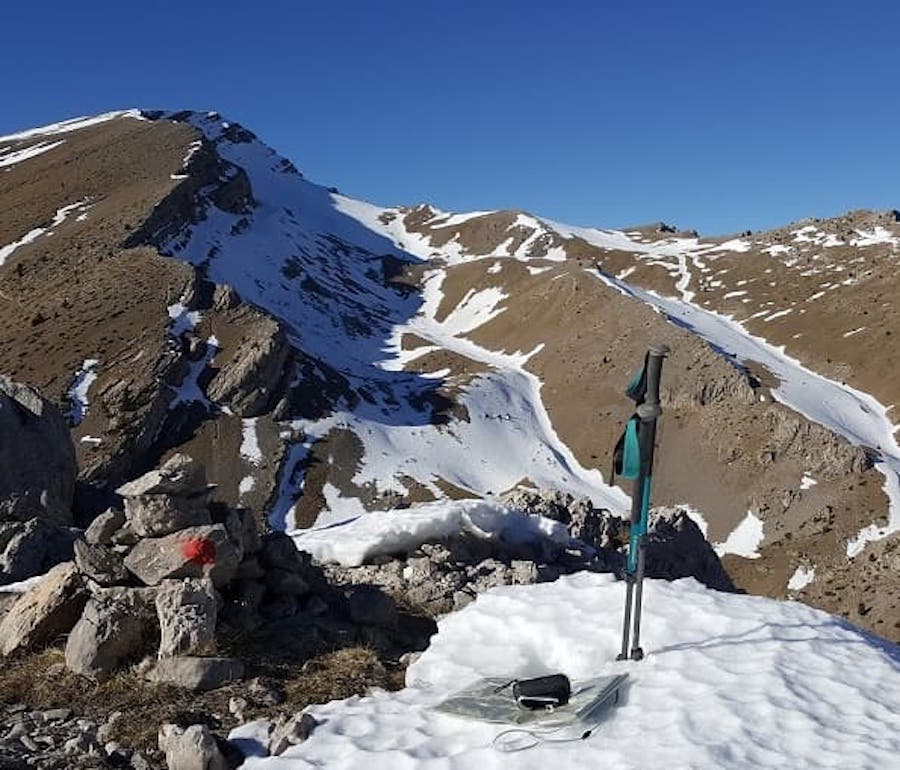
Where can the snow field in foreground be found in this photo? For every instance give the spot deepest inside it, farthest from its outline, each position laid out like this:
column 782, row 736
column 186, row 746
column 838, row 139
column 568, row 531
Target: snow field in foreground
column 729, row 681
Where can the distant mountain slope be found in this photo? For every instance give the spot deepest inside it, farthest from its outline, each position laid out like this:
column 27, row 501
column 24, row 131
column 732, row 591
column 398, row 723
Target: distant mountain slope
column 325, row 356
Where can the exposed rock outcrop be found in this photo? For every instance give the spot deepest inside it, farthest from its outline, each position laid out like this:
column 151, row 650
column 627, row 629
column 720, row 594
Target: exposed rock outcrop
column 248, row 380
column 31, row 548
column 37, row 458
column 186, row 610
column 443, row 576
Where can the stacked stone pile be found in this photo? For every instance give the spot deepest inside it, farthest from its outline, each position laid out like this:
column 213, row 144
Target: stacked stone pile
column 161, row 581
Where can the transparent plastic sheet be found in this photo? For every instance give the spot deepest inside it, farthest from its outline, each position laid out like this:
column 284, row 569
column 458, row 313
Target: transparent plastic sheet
column 491, row 700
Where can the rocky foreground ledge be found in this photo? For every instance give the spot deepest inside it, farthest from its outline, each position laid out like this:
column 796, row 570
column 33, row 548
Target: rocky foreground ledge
column 178, row 620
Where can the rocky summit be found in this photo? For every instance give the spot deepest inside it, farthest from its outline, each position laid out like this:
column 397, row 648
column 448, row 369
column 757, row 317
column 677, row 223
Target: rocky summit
column 207, row 361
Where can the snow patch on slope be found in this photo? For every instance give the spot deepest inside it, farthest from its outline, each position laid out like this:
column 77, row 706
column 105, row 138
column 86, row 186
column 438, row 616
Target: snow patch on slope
column 745, row 539
column 801, row 578
column 13, row 157
column 249, row 448
column 58, row 218
column 78, row 393
column 385, row 533
column 74, row 124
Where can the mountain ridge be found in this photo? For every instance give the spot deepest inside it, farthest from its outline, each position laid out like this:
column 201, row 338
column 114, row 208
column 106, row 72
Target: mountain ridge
column 419, row 336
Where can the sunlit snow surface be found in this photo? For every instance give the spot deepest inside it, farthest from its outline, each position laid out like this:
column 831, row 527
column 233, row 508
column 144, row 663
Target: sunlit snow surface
column 801, row 578
column 317, row 266
column 78, row 393
column 744, row 539
column 74, row 124
column 12, row 157
column 729, row 681
column 386, row 533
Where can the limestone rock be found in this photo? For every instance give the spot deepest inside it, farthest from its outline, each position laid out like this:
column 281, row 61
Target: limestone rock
column 154, row 515
column 113, row 629
column 248, row 381
column 291, row 731
column 193, row 552
column 48, row 609
column 242, row 529
column 187, row 611
column 102, row 529
column 32, row 548
column 190, row 748
column 193, row 673
column 37, row 458
column 100, row 564
column 179, row 475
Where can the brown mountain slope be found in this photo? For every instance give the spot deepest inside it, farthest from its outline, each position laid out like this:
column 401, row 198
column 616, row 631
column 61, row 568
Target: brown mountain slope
column 183, row 361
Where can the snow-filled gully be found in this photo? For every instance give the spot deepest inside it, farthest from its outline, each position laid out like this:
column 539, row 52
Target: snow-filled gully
column 850, row 413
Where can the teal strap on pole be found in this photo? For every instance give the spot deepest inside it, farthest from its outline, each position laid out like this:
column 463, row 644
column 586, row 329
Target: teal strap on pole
column 631, row 451
column 639, row 528
column 637, row 388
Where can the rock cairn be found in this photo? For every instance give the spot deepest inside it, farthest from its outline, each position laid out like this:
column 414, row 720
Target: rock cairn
column 159, row 582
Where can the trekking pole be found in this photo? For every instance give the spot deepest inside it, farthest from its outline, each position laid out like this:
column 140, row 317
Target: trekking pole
column 644, row 389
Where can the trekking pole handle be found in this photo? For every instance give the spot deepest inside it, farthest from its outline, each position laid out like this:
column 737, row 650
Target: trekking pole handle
column 651, row 409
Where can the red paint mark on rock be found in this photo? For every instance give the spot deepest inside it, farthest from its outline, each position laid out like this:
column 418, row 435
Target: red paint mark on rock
column 200, row 550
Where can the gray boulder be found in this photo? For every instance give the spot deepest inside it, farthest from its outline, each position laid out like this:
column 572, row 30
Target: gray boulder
column 551, row 503
column 104, row 527
column 280, row 552
column 370, row 606
column 190, row 748
column 43, row 612
column 162, row 514
column 100, row 564
column 32, row 548
column 180, row 475
column 114, row 628
column 187, row 611
column 37, row 458
column 289, row 731
column 193, row 673
column 242, row 529
column 194, row 552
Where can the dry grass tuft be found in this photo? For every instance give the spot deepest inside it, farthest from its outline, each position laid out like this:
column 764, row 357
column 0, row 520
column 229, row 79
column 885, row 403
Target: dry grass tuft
column 41, row 681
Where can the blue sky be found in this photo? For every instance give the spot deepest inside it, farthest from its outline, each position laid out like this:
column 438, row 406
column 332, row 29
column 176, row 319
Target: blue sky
column 717, row 115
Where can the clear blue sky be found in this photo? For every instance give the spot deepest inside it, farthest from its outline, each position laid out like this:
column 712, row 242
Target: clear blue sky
column 717, row 115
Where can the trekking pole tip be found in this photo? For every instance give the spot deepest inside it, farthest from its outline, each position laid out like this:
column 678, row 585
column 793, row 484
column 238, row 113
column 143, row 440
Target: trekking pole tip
column 660, row 350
